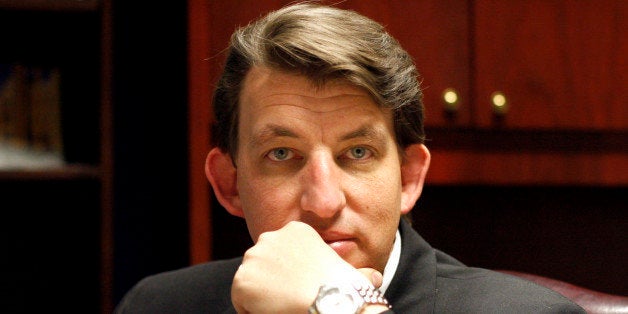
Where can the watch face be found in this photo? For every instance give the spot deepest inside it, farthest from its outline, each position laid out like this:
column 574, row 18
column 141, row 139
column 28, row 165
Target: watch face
column 333, row 300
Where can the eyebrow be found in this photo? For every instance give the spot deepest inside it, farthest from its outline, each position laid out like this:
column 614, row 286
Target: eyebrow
column 273, row 130
column 366, row 131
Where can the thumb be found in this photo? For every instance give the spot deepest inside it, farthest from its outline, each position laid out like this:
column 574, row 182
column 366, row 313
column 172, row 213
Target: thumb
column 374, row 276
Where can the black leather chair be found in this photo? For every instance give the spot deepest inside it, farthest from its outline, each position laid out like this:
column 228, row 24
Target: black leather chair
column 592, row 301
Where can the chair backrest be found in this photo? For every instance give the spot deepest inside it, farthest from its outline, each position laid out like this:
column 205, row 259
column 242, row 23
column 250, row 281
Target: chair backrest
column 591, row 301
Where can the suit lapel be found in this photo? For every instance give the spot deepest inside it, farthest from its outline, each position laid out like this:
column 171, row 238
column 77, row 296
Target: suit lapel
column 413, row 287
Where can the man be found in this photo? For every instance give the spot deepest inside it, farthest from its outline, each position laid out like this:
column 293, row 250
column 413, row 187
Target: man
column 319, row 147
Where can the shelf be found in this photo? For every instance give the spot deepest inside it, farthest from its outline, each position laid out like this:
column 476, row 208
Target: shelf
column 518, row 157
column 68, row 45
column 527, row 168
column 55, row 169
column 69, row 172
column 50, row 5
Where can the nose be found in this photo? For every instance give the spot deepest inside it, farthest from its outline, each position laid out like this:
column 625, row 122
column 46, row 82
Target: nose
column 322, row 186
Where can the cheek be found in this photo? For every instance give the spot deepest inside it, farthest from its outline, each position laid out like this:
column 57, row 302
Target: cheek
column 381, row 192
column 377, row 207
column 267, row 205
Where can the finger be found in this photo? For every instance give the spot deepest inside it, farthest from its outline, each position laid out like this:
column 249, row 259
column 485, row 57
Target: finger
column 374, row 276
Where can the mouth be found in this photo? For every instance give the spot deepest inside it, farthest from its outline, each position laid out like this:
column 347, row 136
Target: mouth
column 342, row 245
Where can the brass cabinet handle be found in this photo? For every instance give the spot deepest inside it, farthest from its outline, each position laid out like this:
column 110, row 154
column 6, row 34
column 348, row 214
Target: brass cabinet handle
column 451, row 100
column 500, row 103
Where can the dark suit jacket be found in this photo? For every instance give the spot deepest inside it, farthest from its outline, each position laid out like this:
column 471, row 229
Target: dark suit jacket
column 426, row 281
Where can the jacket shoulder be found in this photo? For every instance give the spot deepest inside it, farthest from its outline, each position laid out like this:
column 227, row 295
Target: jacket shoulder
column 199, row 288
column 468, row 289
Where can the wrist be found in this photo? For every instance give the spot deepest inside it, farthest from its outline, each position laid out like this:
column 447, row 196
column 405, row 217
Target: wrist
column 374, row 309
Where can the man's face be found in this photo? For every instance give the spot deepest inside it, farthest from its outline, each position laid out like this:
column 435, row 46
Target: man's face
column 324, row 156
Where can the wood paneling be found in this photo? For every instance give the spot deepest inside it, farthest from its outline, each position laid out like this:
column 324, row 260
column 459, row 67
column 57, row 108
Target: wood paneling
column 561, row 64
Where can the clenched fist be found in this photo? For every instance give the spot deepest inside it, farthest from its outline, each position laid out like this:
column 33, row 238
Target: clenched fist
column 283, row 271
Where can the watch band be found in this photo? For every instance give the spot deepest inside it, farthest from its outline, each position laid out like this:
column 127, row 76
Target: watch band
column 347, row 298
column 371, row 295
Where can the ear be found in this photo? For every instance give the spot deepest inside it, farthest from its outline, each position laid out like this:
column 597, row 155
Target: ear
column 416, row 161
column 222, row 175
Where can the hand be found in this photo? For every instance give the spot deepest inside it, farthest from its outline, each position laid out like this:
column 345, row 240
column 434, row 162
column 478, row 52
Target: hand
column 283, row 271
column 375, row 277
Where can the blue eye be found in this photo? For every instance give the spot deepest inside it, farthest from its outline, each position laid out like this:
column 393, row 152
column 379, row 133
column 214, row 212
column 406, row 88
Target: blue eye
column 280, row 154
column 358, row 153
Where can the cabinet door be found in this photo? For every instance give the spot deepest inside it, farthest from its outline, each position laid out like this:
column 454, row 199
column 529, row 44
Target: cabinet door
column 559, row 64
column 436, row 34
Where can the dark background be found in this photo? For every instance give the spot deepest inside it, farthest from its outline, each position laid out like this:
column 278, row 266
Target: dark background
column 150, row 140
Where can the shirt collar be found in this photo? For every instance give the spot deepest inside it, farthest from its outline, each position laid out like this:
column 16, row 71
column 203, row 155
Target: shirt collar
column 391, row 265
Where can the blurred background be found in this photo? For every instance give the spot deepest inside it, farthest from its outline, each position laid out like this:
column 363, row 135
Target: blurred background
column 104, row 127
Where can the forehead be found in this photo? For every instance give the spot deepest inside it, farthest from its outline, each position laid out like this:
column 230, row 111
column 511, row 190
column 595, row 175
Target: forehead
column 282, row 104
column 262, row 85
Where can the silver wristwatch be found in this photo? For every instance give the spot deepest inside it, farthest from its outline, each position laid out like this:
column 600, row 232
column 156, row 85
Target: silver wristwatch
column 346, row 298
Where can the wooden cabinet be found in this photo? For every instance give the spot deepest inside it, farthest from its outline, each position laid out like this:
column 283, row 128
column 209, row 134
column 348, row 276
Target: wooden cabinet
column 538, row 87
column 557, row 64
column 560, row 67
column 560, row 64
column 57, row 217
